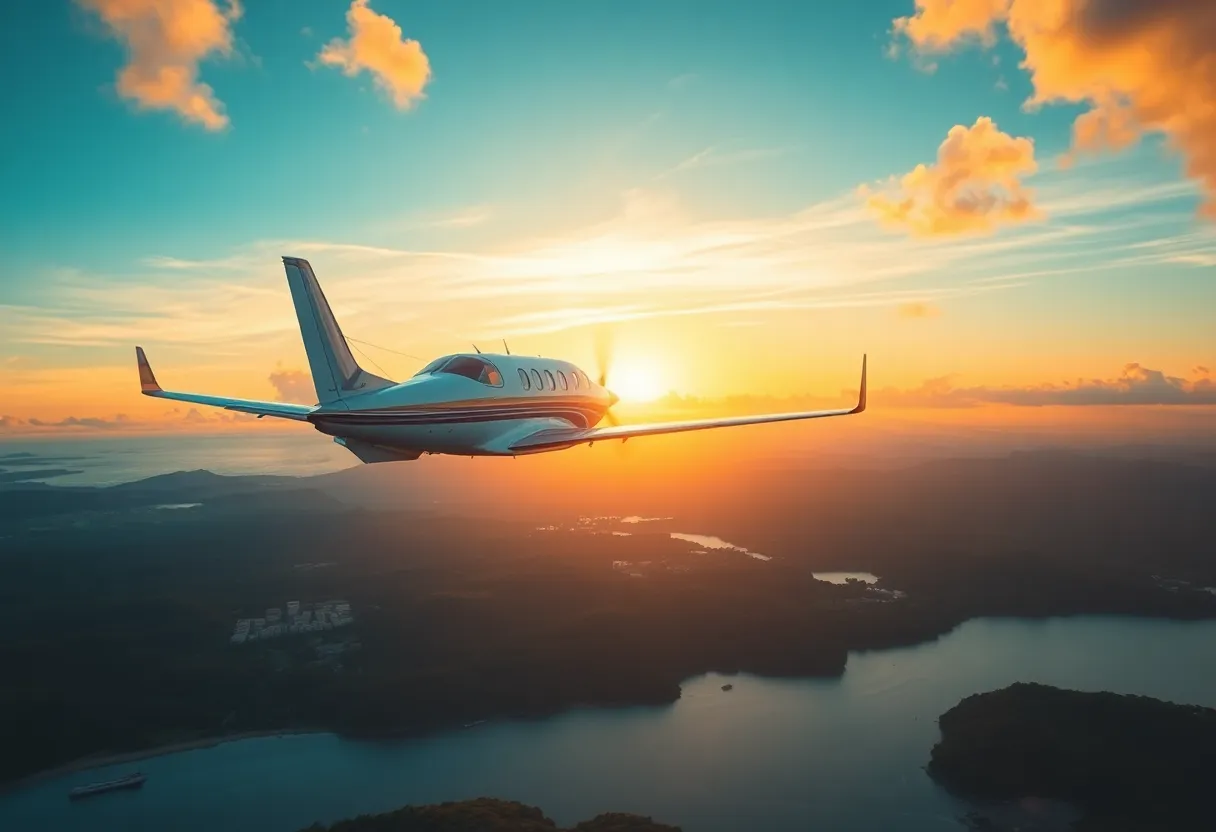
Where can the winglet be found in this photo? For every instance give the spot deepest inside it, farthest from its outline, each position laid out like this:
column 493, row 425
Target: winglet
column 861, row 396
column 147, row 380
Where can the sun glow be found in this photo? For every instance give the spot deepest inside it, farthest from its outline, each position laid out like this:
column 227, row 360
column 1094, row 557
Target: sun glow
column 635, row 382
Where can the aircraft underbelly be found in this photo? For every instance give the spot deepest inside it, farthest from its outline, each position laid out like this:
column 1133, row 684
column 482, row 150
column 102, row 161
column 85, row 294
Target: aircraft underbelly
column 492, row 438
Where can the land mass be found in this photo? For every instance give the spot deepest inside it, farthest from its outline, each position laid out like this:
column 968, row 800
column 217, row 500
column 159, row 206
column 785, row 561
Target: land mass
column 117, row 612
column 485, row 815
column 1131, row 763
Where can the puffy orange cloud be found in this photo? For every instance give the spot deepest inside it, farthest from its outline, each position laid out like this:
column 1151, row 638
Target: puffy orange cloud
column 1140, row 65
column 166, row 40
column 938, row 24
column 293, row 386
column 975, row 185
column 399, row 66
column 918, row 310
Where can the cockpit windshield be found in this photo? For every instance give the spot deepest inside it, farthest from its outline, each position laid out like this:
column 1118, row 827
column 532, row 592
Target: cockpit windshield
column 474, row 367
column 433, row 366
column 469, row 366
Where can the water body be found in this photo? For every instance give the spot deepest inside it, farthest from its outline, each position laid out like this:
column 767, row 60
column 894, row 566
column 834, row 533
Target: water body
column 779, row 755
column 845, row 577
column 707, row 541
column 110, row 460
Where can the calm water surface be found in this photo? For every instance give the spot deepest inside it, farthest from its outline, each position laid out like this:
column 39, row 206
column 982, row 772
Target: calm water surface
column 844, row 577
column 843, row 755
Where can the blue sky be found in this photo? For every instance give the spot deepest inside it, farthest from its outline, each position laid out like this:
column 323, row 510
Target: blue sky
column 537, row 106
column 615, row 128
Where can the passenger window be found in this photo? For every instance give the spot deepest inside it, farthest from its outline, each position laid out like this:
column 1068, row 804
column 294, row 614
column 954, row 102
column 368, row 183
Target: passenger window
column 549, row 380
column 574, row 379
column 523, row 379
column 561, row 379
column 536, row 380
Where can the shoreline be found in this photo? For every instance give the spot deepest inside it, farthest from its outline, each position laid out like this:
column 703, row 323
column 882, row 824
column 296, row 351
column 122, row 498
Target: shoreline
column 121, row 758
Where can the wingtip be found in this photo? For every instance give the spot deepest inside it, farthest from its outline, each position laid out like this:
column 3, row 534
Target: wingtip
column 861, row 395
column 147, row 379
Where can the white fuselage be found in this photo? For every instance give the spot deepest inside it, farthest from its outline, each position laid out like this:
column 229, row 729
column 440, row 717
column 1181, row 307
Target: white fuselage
column 449, row 413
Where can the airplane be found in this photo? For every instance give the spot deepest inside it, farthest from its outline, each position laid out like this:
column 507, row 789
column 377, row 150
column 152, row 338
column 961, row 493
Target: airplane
column 466, row 404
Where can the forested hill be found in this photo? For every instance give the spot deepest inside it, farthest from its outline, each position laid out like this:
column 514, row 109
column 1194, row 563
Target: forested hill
column 1132, row 763
column 485, row 815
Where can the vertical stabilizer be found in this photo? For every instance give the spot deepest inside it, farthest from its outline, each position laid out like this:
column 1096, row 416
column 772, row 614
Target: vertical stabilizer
column 335, row 373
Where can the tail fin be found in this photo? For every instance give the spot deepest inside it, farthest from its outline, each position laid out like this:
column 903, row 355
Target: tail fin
column 335, row 372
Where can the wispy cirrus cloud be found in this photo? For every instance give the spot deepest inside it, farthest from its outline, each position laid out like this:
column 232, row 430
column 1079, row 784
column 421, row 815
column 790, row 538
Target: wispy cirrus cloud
column 656, row 257
column 166, row 40
column 713, row 157
column 376, row 45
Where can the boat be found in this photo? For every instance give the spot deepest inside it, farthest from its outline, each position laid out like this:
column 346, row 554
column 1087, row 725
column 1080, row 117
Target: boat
column 475, row 723
column 131, row 781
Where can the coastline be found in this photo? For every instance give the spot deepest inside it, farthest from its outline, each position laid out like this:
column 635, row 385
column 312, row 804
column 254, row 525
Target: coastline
column 103, row 760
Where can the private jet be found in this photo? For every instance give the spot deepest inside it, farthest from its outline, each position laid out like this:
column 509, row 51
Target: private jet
column 470, row 404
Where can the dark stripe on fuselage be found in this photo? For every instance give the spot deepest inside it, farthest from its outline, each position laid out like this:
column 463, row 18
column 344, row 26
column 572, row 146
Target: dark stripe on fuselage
column 573, row 415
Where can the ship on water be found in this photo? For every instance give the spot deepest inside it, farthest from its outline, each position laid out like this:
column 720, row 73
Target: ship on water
column 131, row 781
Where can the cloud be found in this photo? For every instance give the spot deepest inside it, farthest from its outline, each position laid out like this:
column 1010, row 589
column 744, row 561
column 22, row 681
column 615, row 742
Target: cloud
column 1135, row 385
column 974, row 186
column 918, row 309
column 11, row 423
column 463, row 218
column 655, row 256
column 1138, row 66
column 293, row 386
column 166, row 40
column 399, row 66
column 711, row 157
column 89, row 422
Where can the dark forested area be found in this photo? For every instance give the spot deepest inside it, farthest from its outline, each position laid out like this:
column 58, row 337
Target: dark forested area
column 117, row 616
column 485, row 815
column 1134, row 764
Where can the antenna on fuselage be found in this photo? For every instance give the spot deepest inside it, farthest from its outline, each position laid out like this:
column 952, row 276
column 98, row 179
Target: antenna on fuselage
column 505, row 347
column 478, row 351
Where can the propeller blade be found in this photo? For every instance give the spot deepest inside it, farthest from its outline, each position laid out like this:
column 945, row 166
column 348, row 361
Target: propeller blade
column 611, row 419
column 603, row 354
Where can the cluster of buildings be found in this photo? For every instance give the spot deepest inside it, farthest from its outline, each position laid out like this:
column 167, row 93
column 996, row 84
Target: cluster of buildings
column 313, row 618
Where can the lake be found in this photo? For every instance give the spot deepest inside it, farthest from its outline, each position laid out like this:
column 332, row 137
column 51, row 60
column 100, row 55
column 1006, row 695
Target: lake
column 844, row 755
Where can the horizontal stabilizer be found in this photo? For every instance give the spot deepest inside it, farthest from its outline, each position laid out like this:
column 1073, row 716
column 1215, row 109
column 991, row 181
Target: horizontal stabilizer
column 282, row 410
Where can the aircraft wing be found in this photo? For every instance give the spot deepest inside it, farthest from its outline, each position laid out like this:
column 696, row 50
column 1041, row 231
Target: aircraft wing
column 149, row 387
column 554, row 438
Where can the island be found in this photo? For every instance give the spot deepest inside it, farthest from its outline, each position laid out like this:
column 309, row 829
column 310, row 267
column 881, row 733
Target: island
column 1129, row 763
column 485, row 815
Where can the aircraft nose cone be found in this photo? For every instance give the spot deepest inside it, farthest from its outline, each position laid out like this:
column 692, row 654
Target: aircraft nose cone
column 613, row 398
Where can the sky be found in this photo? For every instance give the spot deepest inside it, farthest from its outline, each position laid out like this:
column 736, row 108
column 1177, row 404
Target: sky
column 1005, row 203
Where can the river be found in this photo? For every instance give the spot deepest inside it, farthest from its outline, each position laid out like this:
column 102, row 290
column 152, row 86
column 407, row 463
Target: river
column 779, row 755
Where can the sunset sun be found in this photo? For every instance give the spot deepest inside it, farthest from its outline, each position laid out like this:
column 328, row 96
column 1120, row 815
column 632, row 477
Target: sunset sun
column 635, row 382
